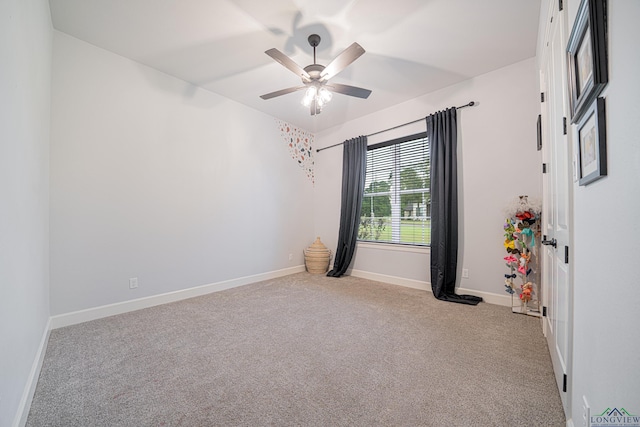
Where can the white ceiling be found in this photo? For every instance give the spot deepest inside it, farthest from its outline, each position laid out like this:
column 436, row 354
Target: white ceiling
column 412, row 47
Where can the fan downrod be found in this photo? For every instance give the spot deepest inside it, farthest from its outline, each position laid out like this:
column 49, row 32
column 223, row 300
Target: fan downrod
column 314, row 40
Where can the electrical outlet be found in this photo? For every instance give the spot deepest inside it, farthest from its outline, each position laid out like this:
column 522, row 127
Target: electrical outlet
column 290, row 257
column 465, row 273
column 586, row 412
column 133, row 283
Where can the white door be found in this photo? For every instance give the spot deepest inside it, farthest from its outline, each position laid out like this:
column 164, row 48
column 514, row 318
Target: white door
column 557, row 202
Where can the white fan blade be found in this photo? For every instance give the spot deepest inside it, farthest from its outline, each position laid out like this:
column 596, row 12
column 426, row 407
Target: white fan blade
column 288, row 63
column 358, row 92
column 282, row 92
column 341, row 61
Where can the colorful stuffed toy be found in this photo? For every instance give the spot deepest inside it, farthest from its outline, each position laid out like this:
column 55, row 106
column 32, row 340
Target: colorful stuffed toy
column 525, row 296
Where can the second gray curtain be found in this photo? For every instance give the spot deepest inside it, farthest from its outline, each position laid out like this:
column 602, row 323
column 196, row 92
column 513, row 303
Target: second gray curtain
column 442, row 133
column 354, row 165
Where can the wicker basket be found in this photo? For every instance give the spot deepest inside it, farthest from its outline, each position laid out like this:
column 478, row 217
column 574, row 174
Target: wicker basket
column 317, row 257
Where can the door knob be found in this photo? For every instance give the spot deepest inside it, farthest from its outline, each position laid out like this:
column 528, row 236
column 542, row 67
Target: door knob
column 552, row 242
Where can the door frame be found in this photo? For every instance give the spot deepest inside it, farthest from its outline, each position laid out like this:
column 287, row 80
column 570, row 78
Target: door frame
column 555, row 16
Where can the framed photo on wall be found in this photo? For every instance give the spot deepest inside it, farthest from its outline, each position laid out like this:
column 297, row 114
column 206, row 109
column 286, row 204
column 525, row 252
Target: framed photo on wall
column 592, row 143
column 587, row 51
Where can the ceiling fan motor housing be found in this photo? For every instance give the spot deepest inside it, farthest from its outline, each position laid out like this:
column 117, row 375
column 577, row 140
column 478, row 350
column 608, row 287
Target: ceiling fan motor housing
column 314, row 70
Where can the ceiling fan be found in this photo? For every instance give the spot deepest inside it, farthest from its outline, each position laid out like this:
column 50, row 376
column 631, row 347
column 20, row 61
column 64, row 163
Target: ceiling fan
column 315, row 77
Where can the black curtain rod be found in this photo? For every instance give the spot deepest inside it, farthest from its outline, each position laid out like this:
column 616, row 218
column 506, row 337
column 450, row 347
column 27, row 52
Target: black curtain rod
column 470, row 104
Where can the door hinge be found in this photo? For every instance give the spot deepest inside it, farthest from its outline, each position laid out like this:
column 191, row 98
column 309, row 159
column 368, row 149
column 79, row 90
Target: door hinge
column 566, row 254
column 564, row 125
column 544, row 311
column 544, row 169
column 541, row 96
column 560, row 5
column 564, row 383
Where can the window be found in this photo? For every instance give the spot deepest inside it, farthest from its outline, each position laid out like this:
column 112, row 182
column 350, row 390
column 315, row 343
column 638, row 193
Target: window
column 396, row 201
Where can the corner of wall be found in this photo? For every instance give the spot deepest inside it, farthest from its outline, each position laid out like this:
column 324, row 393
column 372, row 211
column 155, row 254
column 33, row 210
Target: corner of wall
column 32, row 381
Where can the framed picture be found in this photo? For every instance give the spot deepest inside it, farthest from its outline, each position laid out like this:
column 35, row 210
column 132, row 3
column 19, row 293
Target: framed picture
column 539, row 128
column 592, row 144
column 587, row 51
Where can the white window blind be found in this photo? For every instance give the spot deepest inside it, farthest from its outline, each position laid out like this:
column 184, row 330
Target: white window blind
column 396, row 200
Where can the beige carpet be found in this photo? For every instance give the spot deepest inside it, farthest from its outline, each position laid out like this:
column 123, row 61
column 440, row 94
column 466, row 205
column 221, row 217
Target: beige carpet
column 301, row 350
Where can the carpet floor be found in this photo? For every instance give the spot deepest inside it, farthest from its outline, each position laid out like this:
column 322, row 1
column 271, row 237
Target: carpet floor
column 301, row 350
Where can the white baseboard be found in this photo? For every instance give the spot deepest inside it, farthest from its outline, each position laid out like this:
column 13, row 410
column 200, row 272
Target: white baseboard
column 488, row 297
column 393, row 280
column 94, row 313
column 32, row 381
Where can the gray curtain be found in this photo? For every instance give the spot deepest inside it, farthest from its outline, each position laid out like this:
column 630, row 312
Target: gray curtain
column 354, row 164
column 443, row 139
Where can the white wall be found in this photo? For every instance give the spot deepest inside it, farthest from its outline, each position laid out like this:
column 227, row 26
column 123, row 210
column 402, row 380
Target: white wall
column 156, row 179
column 25, row 87
column 606, row 365
column 497, row 162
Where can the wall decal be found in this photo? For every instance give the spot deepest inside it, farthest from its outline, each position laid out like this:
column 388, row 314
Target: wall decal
column 300, row 144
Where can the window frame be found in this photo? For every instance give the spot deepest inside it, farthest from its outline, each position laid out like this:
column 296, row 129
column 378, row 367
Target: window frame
column 396, row 191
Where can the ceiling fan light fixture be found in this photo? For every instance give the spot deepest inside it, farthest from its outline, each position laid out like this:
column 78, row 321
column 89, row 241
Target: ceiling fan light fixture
column 324, row 95
column 320, row 96
column 309, row 96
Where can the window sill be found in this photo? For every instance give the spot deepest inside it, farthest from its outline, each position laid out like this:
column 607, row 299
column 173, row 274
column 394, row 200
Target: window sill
column 394, row 247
